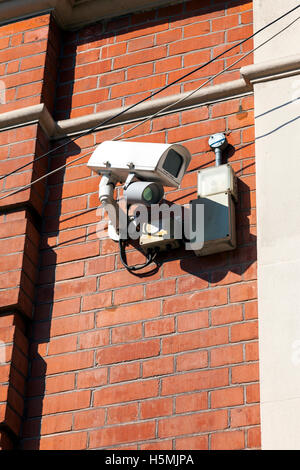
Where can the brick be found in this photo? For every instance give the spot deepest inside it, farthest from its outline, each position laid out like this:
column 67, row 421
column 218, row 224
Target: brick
column 89, row 419
column 122, row 434
column 252, row 393
column 196, row 43
column 228, row 107
column 252, row 351
column 69, row 271
column 167, row 64
column 123, row 372
column 91, row 378
column 242, row 119
column 131, row 313
column 56, row 423
column 61, row 403
column 245, row 331
column 242, row 292
column 165, row 122
column 127, row 295
column 155, row 408
column 95, row 68
column 240, row 33
column 254, row 438
column 245, row 416
column 187, row 118
column 192, row 321
column 126, row 333
column 122, row 414
column 67, row 289
column 230, row 440
column 136, row 86
column 225, row 315
column 72, row 253
column 24, row 50
column 60, row 383
column 121, row 279
column 194, row 130
column 227, row 397
column 160, row 445
column 245, row 373
column 141, row 43
column 32, row 23
column 160, row 366
column 192, row 443
column 200, row 422
column 251, row 310
column 72, row 236
column 33, row 62
column 194, row 340
column 226, row 355
column 96, row 301
column 62, row 345
column 196, row 58
column 112, row 78
column 69, row 362
column 128, row 352
column 138, row 71
column 70, row 441
column 93, row 339
column 194, row 381
column 196, row 29
column 195, row 301
column 127, row 392
column 160, row 327
column 160, row 289
column 140, row 57
column 167, row 37
column 66, row 307
column 72, row 324
column 192, row 402
column 188, row 361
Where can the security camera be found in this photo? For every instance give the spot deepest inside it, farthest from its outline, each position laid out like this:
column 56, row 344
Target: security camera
column 162, row 163
column 144, row 168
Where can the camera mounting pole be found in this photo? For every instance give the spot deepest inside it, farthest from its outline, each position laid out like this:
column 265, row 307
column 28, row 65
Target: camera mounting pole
column 106, row 195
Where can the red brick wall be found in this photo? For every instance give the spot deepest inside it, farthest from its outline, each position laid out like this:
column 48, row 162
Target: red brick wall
column 172, row 358
column 118, row 62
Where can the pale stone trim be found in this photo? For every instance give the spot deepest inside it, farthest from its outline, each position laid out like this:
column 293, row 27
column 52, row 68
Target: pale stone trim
column 26, row 116
column 271, row 70
column 277, row 111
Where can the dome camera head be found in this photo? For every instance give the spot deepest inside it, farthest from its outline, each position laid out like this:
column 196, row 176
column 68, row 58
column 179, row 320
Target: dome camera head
column 162, row 163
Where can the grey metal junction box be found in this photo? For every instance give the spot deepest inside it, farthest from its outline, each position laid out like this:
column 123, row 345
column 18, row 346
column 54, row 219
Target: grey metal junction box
column 217, row 188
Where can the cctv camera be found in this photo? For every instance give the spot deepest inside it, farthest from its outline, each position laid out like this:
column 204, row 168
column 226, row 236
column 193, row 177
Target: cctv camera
column 162, row 163
column 144, row 168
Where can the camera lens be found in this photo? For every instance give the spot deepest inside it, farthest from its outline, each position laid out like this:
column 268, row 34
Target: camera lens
column 148, row 194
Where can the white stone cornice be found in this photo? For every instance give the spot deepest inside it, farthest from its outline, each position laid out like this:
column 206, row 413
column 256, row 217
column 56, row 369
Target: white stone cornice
column 29, row 115
column 271, row 70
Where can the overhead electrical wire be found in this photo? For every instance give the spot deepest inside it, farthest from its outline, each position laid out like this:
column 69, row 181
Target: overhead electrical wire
column 152, row 116
column 123, row 111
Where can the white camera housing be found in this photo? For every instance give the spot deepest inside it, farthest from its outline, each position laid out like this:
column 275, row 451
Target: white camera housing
column 163, row 163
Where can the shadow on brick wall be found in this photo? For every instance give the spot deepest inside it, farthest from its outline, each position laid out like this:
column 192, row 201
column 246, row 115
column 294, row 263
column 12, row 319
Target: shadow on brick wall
column 40, row 331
